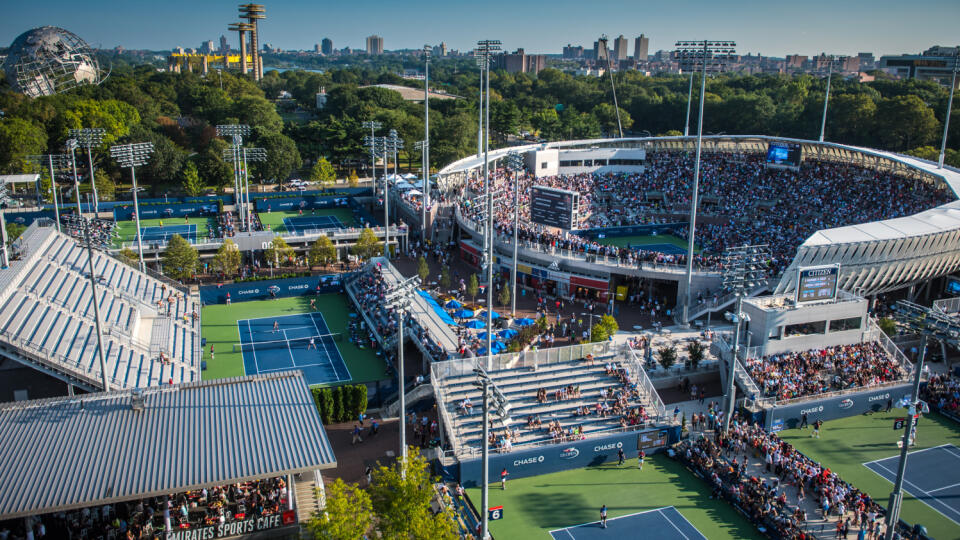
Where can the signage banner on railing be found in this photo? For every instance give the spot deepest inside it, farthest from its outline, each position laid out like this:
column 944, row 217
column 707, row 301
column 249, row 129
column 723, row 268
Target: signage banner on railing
column 634, row 230
column 271, row 288
column 834, row 406
column 161, row 211
column 551, row 458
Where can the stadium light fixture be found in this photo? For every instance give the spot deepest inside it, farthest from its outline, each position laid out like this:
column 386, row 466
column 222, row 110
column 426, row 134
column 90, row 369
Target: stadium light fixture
column 373, row 126
column 250, row 154
column 133, row 156
column 930, row 323
column 399, row 298
column 826, row 99
column 55, row 162
column 486, row 384
column 236, row 133
column 946, row 121
column 706, row 53
column 427, row 49
column 424, row 148
column 515, row 165
column 90, row 138
column 745, row 270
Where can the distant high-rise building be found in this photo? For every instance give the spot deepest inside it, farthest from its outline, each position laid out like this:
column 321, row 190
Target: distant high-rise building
column 796, row 61
column 867, row 60
column 571, row 53
column 207, row 47
column 443, row 48
column 641, row 47
column 224, row 45
column 326, row 46
column 520, row 62
column 620, row 48
column 316, row 48
column 374, row 45
column 600, row 54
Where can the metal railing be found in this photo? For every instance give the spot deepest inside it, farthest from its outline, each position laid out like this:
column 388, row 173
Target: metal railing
column 524, row 359
column 47, row 356
column 948, row 305
column 874, row 333
column 643, row 381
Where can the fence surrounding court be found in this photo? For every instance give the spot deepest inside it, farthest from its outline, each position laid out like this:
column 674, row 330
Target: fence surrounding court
column 162, row 211
column 261, row 290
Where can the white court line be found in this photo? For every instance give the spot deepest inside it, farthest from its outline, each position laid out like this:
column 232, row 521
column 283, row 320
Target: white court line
column 252, row 348
column 924, row 501
column 672, row 524
column 288, row 369
column 865, row 463
column 567, row 529
column 944, row 487
column 335, row 349
column 687, row 521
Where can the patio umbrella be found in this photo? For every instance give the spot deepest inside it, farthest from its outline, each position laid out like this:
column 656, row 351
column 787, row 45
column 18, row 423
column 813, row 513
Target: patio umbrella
column 475, row 324
column 507, row 334
column 523, row 322
column 494, row 315
column 453, row 304
column 463, row 314
column 497, row 347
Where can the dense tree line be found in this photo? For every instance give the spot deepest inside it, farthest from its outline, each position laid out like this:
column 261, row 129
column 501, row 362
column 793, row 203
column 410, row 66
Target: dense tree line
column 179, row 112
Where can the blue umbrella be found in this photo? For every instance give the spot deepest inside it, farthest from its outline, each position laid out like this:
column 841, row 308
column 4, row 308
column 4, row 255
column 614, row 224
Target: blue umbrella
column 507, row 334
column 482, row 335
column 463, row 314
column 475, row 324
column 497, row 347
column 523, row 322
column 453, row 304
column 494, row 315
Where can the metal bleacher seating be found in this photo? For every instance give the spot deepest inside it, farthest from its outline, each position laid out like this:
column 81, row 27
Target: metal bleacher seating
column 47, row 317
column 520, row 386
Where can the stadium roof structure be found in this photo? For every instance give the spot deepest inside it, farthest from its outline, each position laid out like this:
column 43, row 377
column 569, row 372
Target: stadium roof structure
column 18, row 178
column 67, row 453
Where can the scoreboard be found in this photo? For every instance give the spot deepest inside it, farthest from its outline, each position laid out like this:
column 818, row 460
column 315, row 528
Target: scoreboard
column 817, row 283
column 554, row 207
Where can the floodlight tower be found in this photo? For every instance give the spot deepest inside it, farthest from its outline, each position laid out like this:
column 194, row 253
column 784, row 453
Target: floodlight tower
column 90, row 138
column 602, row 46
column 392, row 143
column 745, row 268
column 482, row 64
column 490, row 391
column 426, row 126
column 242, row 29
column 133, row 156
column 236, row 132
column 399, row 298
column 373, row 126
column 930, row 323
column 515, row 164
column 253, row 13
column 56, row 162
column 424, row 147
column 250, row 154
column 706, row 52
column 826, row 98
column 946, row 120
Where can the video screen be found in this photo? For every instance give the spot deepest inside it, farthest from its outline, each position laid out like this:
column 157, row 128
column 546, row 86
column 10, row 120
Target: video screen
column 784, row 154
column 953, row 286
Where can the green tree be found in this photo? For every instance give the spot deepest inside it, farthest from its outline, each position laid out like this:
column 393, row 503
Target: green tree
column 190, row 178
column 322, row 252
column 696, row 351
column 422, row 269
column 668, row 356
column 323, row 173
column 282, row 156
column 367, row 245
column 401, row 497
column 888, row 326
column 473, row 287
column 129, row 257
column 353, row 180
column 445, row 280
column 211, row 167
column 227, row 259
column 504, row 296
column 905, row 122
column 180, row 260
column 19, row 138
column 14, row 230
column 279, row 253
column 347, row 515
column 106, row 189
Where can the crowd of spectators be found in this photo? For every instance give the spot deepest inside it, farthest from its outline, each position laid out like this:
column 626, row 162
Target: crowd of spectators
column 942, row 392
column 815, row 371
column 147, row 518
column 743, row 202
column 723, row 459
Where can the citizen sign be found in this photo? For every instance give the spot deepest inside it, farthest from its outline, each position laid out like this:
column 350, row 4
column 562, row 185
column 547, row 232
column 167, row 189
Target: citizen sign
column 610, row 446
column 228, row 529
column 812, row 409
column 821, row 272
column 528, row 461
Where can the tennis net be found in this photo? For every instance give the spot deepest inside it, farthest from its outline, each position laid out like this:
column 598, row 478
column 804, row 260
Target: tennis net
column 297, row 343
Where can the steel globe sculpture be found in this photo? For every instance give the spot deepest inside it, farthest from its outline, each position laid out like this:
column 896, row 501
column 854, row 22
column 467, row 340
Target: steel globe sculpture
column 49, row 60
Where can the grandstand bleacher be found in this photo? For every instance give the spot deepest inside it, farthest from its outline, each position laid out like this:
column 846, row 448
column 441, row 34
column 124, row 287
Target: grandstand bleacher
column 150, row 330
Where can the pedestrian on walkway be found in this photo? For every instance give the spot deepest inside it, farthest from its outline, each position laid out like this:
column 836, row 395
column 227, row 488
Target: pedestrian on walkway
column 619, row 457
column 803, row 421
column 356, row 435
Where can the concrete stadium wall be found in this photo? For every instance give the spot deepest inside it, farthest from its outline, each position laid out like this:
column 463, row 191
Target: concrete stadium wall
column 260, row 290
column 834, row 407
column 552, row 458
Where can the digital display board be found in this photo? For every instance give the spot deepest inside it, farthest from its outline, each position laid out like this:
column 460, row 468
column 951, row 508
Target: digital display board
column 653, row 439
column 817, row 283
column 784, row 154
column 953, row 285
column 554, row 207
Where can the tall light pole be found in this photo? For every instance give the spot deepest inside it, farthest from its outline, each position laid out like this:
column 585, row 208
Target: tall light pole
column 930, row 323
column 745, row 268
column 826, row 98
column 398, row 298
column 946, row 121
column 426, row 127
column 490, row 391
column 391, row 143
column 686, row 124
column 133, row 156
column 236, row 132
column 250, row 154
column 424, row 147
column 55, row 162
column 90, row 138
column 373, row 126
column 706, row 52
column 602, row 44
column 515, row 164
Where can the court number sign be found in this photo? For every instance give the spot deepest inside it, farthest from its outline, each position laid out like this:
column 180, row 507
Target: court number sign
column 495, row 513
column 899, row 423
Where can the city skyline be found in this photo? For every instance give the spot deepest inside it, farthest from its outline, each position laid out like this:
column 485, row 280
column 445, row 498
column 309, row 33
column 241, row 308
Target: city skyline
column 881, row 27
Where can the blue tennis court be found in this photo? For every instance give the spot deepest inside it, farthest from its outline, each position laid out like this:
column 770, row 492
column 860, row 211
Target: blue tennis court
column 932, row 476
column 664, row 522
column 162, row 234
column 311, row 223
column 301, row 342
